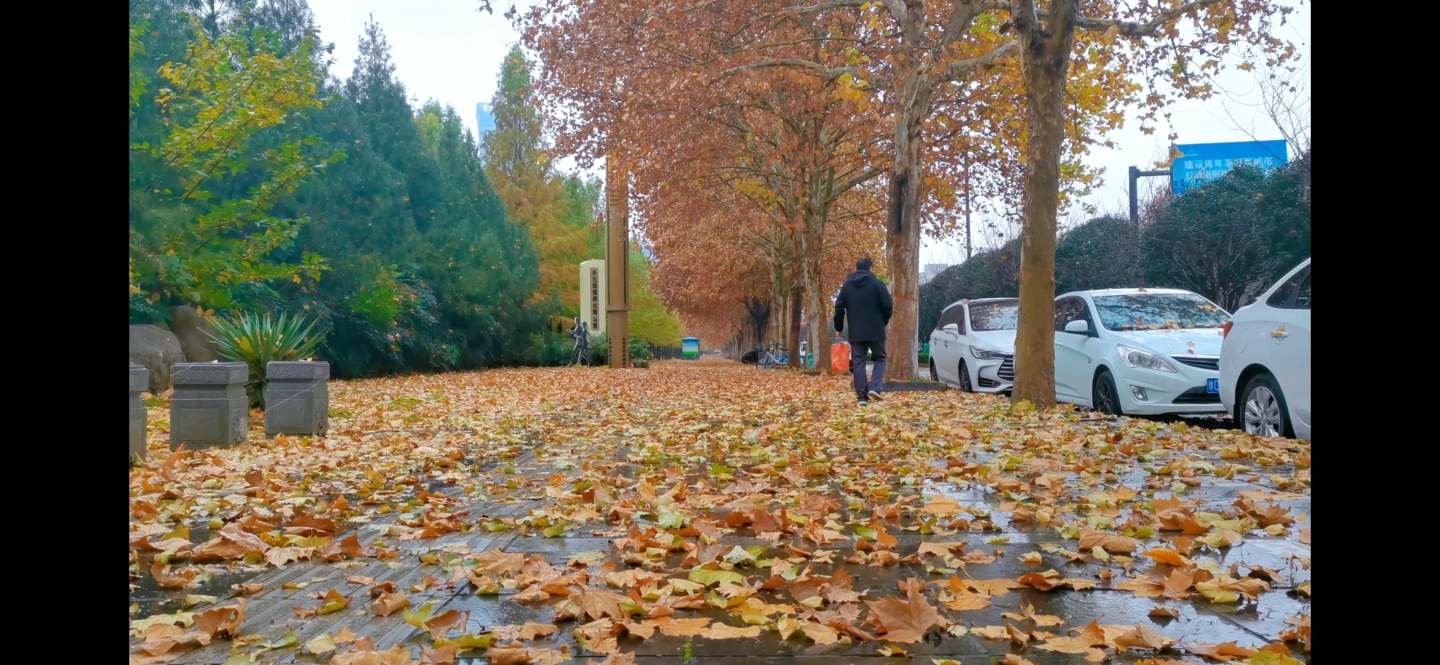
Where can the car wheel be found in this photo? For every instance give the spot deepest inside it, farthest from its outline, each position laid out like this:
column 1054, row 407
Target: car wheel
column 934, row 375
column 1104, row 395
column 965, row 379
column 1263, row 410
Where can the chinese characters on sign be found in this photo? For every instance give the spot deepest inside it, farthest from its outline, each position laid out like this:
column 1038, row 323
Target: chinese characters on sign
column 594, row 298
column 1200, row 163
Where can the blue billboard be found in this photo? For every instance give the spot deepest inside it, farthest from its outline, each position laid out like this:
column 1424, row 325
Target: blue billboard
column 1199, row 163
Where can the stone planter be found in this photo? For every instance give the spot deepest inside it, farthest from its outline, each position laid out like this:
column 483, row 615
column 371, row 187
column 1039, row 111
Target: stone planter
column 209, row 408
column 297, row 399
column 139, row 383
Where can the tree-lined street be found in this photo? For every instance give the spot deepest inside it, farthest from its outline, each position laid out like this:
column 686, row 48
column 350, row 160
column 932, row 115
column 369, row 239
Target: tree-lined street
column 562, row 388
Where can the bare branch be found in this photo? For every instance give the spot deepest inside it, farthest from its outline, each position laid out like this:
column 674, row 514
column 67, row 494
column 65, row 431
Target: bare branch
column 1126, row 28
column 828, row 73
column 826, row 5
column 960, row 68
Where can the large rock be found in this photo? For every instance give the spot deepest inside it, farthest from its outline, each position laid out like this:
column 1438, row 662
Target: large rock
column 155, row 349
column 190, row 328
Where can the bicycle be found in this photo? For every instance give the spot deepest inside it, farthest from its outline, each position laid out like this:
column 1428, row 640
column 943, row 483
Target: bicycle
column 774, row 356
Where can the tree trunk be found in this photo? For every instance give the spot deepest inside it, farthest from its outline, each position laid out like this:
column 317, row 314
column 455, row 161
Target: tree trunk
column 817, row 312
column 793, row 341
column 1045, row 59
column 902, row 262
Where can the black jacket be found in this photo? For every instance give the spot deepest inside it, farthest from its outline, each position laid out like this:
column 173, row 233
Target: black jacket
column 867, row 301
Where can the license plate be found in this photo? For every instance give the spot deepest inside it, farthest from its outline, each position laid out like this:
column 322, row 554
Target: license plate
column 1212, row 385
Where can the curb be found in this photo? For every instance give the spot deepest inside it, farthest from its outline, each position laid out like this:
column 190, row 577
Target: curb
column 914, row 386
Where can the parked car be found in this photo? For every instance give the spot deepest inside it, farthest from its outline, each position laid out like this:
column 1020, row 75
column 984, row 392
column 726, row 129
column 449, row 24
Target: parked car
column 1265, row 360
column 1138, row 351
column 973, row 345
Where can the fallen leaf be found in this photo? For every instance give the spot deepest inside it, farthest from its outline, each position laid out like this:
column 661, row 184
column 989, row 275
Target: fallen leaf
column 388, row 603
column 820, row 633
column 1090, row 538
column 438, row 656
column 904, row 621
column 1143, row 637
column 230, row 543
column 684, row 627
column 722, row 631
column 1224, row 652
column 1227, row 590
column 320, row 644
column 222, row 620
column 532, row 630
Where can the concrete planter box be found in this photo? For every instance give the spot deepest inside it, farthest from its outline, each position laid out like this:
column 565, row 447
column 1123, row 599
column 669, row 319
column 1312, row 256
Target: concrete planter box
column 209, row 408
column 297, row 399
column 139, row 383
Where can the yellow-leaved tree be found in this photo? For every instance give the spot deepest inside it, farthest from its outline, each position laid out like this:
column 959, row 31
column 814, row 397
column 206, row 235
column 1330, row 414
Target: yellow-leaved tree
column 555, row 210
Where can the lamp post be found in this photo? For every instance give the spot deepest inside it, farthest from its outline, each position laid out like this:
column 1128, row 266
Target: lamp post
column 617, row 261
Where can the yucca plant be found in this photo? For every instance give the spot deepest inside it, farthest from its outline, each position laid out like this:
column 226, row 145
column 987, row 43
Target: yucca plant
column 257, row 340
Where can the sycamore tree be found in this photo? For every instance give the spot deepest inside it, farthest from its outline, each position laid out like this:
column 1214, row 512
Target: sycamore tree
column 778, row 155
column 1175, row 46
column 213, row 149
column 936, row 79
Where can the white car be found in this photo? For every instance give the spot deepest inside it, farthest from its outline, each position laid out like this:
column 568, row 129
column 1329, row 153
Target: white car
column 1265, row 361
column 1138, row 351
column 973, row 345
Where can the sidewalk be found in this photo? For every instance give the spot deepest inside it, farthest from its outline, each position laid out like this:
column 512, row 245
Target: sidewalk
column 708, row 504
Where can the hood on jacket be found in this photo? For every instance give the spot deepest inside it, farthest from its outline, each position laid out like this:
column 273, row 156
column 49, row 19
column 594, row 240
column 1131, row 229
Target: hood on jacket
column 860, row 277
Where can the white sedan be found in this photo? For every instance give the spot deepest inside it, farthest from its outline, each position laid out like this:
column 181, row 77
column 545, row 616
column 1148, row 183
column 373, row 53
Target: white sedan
column 1265, row 360
column 973, row 345
column 1138, row 351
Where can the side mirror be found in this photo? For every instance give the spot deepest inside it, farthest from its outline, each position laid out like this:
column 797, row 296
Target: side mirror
column 1078, row 326
column 951, row 328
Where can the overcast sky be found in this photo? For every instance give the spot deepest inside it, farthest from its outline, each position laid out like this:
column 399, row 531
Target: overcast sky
column 449, row 51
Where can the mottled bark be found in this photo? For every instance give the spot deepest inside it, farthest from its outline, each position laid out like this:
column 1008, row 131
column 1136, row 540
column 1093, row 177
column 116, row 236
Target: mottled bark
column 793, row 339
column 1045, row 60
column 817, row 312
column 902, row 262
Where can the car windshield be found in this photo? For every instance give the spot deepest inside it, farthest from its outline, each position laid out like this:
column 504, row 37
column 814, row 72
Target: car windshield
column 1157, row 311
column 1002, row 315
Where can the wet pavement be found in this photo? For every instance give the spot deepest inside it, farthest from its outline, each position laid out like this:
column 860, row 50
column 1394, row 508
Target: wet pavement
column 549, row 459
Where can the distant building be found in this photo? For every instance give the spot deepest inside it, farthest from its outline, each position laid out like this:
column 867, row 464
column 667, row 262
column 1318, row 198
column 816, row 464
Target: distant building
column 931, row 271
column 484, row 119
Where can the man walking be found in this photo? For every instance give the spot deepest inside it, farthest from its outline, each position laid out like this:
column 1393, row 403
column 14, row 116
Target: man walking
column 867, row 302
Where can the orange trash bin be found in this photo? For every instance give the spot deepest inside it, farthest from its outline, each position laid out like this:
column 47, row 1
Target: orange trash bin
column 840, row 357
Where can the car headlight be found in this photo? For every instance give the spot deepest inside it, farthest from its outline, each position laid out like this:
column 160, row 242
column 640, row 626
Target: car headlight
column 987, row 354
column 1143, row 359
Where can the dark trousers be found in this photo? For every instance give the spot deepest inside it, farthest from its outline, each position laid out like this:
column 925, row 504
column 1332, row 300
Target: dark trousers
column 859, row 354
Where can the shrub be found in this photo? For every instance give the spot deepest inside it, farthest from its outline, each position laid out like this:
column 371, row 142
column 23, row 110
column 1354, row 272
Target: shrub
column 257, row 340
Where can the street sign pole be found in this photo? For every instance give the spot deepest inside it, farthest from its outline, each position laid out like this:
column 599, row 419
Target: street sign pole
column 1135, row 176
